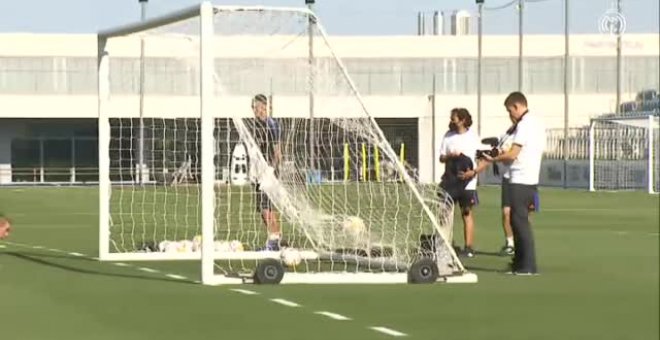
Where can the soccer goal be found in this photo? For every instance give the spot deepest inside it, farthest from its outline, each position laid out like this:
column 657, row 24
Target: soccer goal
column 623, row 154
column 181, row 151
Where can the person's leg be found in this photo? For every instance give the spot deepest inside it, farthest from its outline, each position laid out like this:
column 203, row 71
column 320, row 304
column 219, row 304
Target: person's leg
column 269, row 218
column 467, row 203
column 506, row 224
column 508, row 247
column 525, row 258
column 468, row 227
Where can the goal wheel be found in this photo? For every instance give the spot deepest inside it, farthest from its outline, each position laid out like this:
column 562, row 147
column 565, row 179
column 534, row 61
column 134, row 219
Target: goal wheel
column 423, row 270
column 269, row 271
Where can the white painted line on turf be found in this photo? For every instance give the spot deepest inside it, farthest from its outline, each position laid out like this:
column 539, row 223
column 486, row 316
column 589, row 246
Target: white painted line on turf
column 76, row 254
column 148, row 270
column 37, row 247
column 285, row 302
column 244, row 291
column 3, row 246
column 176, row 277
column 121, row 264
column 388, row 331
column 333, row 316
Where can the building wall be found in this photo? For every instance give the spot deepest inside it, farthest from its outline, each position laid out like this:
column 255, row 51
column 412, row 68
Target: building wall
column 54, row 76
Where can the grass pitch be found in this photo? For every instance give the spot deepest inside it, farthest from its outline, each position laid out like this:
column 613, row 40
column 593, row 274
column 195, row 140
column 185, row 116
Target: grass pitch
column 598, row 254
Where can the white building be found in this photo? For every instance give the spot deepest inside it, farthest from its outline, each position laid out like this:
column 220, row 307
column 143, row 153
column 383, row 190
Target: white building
column 48, row 102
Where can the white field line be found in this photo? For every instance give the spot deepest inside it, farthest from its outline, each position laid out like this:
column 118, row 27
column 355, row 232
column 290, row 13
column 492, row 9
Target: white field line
column 244, row 291
column 285, row 302
column 388, row 331
column 176, row 277
column 333, row 316
column 148, row 270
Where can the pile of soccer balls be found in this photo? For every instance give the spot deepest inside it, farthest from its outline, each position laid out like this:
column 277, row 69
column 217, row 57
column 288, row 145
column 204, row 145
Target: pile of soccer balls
column 188, row 246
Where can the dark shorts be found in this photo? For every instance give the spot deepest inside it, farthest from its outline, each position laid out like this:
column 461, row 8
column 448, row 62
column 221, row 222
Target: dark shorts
column 506, row 196
column 261, row 200
column 467, row 199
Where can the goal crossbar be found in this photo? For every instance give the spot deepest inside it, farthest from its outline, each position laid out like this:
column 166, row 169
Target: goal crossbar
column 187, row 13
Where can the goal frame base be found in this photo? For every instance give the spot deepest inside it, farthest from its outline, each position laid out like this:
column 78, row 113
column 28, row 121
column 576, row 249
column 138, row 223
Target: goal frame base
column 341, row 278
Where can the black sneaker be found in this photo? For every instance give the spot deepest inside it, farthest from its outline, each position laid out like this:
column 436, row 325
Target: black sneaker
column 466, row 252
column 507, row 251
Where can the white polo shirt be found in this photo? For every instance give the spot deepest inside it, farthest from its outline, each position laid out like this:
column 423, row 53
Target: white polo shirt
column 530, row 135
column 466, row 143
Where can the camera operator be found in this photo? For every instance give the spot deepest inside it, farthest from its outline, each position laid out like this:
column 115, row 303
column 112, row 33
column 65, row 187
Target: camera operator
column 498, row 145
column 458, row 151
column 525, row 166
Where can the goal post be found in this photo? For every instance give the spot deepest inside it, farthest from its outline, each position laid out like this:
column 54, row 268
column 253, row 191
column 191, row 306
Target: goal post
column 623, row 153
column 213, row 181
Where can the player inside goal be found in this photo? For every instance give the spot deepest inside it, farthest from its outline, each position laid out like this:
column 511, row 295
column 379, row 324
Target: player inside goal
column 205, row 65
column 268, row 136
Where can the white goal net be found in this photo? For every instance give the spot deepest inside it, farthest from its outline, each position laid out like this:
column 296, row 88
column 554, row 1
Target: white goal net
column 623, row 154
column 239, row 138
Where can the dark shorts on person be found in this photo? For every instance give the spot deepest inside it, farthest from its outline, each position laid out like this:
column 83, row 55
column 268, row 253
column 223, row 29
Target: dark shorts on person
column 506, row 197
column 467, row 199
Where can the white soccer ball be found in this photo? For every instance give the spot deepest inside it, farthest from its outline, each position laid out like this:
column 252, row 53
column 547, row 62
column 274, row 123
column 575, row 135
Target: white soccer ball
column 162, row 246
column 172, row 247
column 197, row 243
column 222, row 246
column 291, row 257
column 185, row 246
column 236, row 246
column 354, row 228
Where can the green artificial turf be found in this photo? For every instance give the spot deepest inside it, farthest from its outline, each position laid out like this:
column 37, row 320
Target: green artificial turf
column 597, row 253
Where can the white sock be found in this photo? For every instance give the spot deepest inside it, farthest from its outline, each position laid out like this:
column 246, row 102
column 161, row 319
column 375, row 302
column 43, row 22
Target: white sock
column 509, row 241
column 273, row 236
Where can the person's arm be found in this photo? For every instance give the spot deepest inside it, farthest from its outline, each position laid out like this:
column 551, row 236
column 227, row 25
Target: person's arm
column 277, row 156
column 483, row 165
column 277, row 150
column 445, row 154
column 520, row 139
column 509, row 156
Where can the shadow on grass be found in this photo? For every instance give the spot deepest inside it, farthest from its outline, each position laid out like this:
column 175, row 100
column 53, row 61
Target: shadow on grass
column 490, row 253
column 45, row 260
column 498, row 270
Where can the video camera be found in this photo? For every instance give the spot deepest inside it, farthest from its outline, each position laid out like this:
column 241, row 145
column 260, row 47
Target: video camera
column 493, row 152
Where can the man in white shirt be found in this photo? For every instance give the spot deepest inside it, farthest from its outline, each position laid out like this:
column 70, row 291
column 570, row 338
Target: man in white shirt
column 460, row 144
column 525, row 166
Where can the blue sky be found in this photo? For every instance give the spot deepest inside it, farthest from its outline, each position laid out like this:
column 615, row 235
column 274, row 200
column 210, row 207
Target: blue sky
column 340, row 17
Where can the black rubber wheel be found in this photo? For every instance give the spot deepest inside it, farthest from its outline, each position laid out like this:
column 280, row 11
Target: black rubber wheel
column 423, row 270
column 269, row 271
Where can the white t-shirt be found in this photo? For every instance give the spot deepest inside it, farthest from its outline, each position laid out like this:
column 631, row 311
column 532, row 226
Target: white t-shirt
column 466, row 143
column 530, row 135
